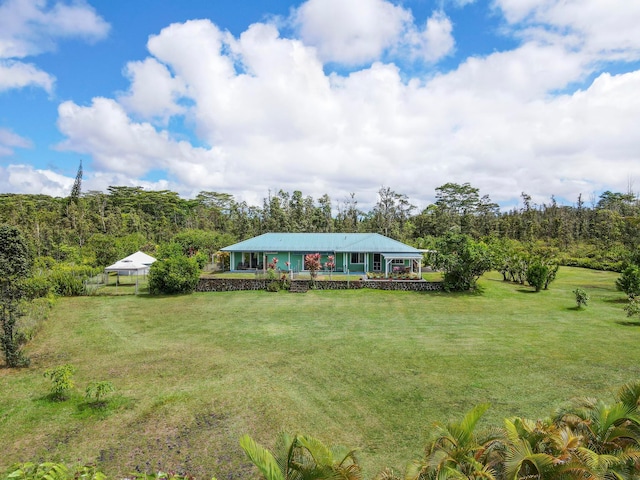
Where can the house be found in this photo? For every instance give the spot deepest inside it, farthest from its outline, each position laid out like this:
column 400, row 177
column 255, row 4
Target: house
column 352, row 252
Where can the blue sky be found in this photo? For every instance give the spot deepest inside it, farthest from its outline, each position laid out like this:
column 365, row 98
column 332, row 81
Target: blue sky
column 322, row 96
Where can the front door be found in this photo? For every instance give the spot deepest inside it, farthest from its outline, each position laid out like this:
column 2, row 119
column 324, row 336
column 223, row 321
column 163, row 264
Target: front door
column 377, row 262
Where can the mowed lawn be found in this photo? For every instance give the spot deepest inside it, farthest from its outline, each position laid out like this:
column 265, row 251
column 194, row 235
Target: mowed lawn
column 367, row 369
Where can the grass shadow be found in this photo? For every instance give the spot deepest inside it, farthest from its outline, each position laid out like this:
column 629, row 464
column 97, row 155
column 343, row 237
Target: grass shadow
column 616, row 300
column 628, row 323
column 103, row 408
column 526, row 290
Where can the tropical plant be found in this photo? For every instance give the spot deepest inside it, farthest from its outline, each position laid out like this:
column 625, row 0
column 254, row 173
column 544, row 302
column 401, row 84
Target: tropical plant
column 39, row 471
column 458, row 451
column 298, row 457
column 312, row 263
column 98, row 391
column 610, row 445
column 61, row 380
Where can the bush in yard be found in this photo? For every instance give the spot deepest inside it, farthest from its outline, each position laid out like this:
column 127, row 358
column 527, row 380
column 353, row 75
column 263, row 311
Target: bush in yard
column 273, row 286
column 175, row 274
column 462, row 261
column 61, row 381
column 629, row 281
column 98, row 391
column 633, row 307
column 582, row 297
column 537, row 275
column 541, row 273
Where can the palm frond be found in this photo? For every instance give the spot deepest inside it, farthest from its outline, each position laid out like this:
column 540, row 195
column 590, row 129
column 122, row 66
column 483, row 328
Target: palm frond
column 470, row 420
column 629, row 395
column 262, row 458
column 320, row 453
column 520, row 457
column 388, row 474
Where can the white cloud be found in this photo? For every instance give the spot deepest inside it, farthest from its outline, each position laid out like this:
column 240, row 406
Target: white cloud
column 18, row 75
column 27, row 179
column 351, row 32
column 31, row 27
column 117, row 144
column 153, row 91
column 603, row 29
column 433, row 42
column 273, row 119
column 10, row 140
column 20, row 178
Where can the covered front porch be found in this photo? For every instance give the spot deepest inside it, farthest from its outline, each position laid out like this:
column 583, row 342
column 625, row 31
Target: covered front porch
column 402, row 263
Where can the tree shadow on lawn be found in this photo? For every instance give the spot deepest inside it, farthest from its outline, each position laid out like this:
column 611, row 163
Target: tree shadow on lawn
column 616, row 300
column 628, row 323
column 526, row 290
column 151, row 296
column 576, row 309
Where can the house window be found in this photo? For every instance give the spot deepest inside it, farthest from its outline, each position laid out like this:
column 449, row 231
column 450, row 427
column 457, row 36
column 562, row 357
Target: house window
column 397, row 261
column 357, row 258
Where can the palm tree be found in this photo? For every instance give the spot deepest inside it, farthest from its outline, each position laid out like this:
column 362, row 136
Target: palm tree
column 610, row 433
column 542, row 450
column 301, row 457
column 458, row 452
column 280, row 465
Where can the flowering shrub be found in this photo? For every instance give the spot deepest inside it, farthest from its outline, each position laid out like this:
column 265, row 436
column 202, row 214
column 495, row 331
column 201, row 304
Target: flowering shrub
column 312, row 263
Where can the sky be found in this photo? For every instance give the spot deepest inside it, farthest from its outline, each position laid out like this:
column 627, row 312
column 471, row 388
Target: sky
column 248, row 97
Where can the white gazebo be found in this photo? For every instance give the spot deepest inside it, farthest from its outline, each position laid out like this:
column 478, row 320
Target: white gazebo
column 135, row 264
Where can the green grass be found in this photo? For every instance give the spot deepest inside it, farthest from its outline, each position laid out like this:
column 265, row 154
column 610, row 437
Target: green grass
column 367, row 369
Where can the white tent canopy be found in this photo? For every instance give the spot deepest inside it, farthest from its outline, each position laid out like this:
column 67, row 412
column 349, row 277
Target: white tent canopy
column 135, row 264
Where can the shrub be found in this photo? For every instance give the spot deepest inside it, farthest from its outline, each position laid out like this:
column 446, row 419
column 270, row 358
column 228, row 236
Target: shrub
column 462, row 261
column 273, row 286
column 582, row 297
column 37, row 286
column 61, row 380
column 312, row 263
column 540, row 274
column 177, row 274
column 629, row 281
column 54, row 471
column 633, row 307
column 537, row 275
column 98, row 391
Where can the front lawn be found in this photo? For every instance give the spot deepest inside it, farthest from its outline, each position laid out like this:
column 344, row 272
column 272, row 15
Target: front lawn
column 368, row 369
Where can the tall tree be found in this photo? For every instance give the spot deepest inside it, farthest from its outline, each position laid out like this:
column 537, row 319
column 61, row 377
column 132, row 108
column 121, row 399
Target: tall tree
column 391, row 212
column 76, row 190
column 14, row 269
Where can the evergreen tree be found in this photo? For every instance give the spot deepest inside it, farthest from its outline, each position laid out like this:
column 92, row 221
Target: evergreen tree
column 14, row 269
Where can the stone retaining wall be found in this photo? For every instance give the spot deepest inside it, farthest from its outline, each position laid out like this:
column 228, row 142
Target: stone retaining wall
column 230, row 284
column 237, row 284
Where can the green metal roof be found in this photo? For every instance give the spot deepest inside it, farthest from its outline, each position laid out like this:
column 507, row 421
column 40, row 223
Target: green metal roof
column 323, row 242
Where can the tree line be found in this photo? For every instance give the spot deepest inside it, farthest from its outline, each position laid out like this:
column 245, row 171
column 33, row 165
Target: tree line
column 96, row 227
